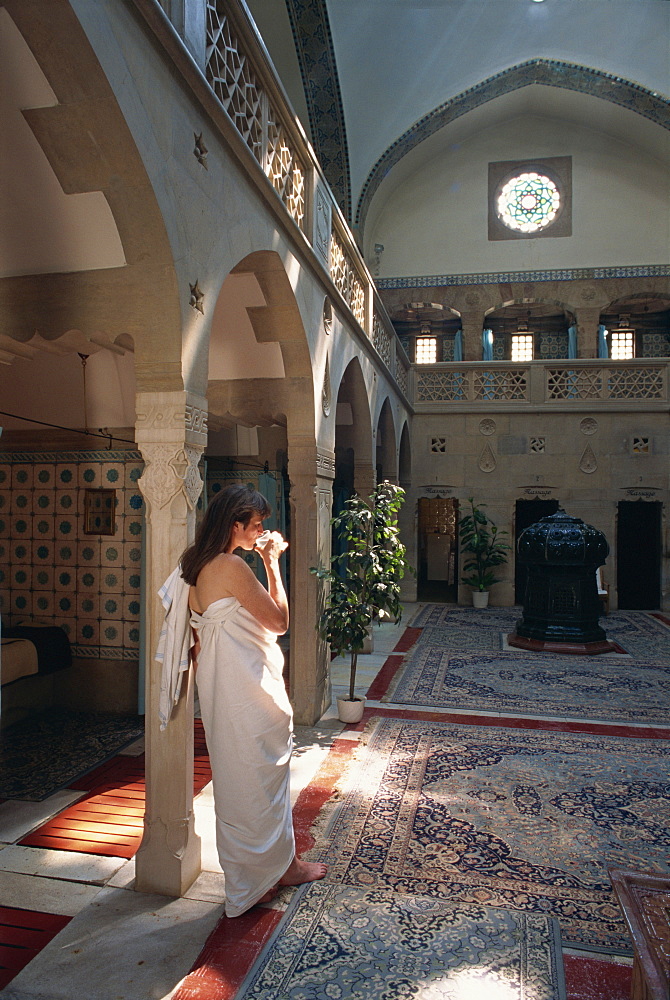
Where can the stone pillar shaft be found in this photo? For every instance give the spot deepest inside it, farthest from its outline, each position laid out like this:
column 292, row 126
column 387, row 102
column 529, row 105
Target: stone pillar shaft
column 311, row 472
column 587, row 320
column 171, row 434
column 472, row 324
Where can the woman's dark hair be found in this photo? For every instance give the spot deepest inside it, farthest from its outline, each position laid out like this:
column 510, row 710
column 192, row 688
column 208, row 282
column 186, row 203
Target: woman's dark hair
column 234, row 503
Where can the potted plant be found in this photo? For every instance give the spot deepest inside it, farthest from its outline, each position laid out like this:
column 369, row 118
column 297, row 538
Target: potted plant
column 480, row 541
column 364, row 580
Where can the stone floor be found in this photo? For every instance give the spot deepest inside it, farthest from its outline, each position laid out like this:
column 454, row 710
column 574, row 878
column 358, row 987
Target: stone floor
column 124, row 945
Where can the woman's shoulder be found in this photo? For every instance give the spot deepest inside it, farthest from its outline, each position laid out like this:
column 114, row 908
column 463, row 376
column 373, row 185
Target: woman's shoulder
column 226, row 564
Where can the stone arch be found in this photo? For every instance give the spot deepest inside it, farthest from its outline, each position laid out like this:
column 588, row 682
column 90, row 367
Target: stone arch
column 405, row 458
column 354, row 460
column 260, row 370
column 386, row 449
column 89, row 146
column 544, row 72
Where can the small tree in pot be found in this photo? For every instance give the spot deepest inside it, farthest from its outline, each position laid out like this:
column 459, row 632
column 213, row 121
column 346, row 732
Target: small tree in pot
column 479, row 538
column 365, row 578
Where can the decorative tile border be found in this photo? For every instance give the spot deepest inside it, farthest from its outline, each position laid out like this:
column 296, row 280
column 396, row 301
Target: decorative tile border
column 496, row 277
column 548, row 73
column 318, row 68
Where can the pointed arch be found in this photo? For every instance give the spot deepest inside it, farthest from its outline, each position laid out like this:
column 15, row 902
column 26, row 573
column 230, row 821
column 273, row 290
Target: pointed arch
column 545, row 72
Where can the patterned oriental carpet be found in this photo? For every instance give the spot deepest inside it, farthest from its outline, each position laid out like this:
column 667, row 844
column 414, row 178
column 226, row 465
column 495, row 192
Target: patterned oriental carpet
column 339, row 943
column 47, row 752
column 461, row 661
column 509, row 818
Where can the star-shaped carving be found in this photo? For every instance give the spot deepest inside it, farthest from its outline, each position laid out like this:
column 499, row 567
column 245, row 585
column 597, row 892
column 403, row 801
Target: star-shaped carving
column 200, row 150
column 197, row 298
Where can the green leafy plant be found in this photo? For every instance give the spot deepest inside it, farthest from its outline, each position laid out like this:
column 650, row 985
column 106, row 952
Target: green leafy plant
column 480, row 540
column 365, row 578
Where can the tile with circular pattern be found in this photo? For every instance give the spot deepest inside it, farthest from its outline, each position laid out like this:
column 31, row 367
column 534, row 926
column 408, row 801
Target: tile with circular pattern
column 88, row 632
column 111, row 580
column 88, row 475
column 88, row 605
column 65, row 579
column 42, row 552
column 111, row 632
column 131, row 635
column 22, row 476
column 43, row 578
column 88, row 579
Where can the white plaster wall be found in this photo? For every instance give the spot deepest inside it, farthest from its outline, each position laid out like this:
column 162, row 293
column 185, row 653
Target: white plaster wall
column 435, row 220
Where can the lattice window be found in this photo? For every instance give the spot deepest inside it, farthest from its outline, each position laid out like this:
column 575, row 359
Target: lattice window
column 537, row 445
column 381, row 340
column 522, row 347
column 574, row 383
column 426, row 350
column 441, row 387
column 507, row 384
column 438, row 445
column 641, row 445
column 622, row 345
column 233, row 80
column 528, row 202
column 635, row 383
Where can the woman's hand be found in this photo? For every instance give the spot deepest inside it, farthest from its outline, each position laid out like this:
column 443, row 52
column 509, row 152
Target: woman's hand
column 271, row 544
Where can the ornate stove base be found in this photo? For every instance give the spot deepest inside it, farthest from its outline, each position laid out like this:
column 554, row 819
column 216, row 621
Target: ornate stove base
column 573, row 648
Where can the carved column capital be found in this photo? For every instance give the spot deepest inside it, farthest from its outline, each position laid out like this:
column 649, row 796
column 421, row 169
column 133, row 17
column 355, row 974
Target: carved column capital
column 171, row 433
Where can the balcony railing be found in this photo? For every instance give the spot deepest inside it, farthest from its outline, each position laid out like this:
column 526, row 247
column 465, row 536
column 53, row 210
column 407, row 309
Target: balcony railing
column 577, row 382
column 240, row 75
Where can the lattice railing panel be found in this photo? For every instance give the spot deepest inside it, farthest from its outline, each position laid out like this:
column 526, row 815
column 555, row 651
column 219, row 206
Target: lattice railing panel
column 401, row 376
column 574, row 383
column 285, row 170
column 508, row 384
column 346, row 280
column 233, row 81
column 635, row 383
column 381, row 340
column 441, row 387
column 232, row 78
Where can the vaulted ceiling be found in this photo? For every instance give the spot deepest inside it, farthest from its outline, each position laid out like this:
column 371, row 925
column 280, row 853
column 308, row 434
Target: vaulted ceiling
column 377, row 79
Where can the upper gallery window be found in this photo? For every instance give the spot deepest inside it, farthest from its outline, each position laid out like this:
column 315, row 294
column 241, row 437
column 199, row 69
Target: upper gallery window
column 528, row 202
column 426, row 350
column 622, row 345
column 530, row 198
column 522, row 347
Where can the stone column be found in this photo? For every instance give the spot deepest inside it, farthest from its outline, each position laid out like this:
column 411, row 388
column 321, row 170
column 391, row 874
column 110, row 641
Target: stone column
column 587, row 320
column 171, row 434
column 408, row 526
column 473, row 324
column 311, row 472
column 365, row 478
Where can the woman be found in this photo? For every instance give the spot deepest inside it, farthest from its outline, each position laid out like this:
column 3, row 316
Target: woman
column 245, row 709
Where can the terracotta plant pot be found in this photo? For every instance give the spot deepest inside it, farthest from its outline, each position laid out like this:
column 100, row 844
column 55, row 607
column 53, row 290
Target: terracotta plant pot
column 480, row 598
column 350, row 711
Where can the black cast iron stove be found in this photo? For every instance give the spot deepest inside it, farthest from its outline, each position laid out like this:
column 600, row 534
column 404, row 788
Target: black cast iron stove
column 561, row 606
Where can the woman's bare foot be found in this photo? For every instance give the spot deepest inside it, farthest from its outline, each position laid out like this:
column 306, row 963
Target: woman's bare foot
column 269, row 895
column 303, row 871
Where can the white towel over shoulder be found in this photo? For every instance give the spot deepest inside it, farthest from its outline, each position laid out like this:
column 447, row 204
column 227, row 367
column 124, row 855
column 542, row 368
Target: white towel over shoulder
column 174, row 642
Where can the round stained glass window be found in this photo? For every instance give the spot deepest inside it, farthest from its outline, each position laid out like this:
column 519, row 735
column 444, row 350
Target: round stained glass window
column 528, row 202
